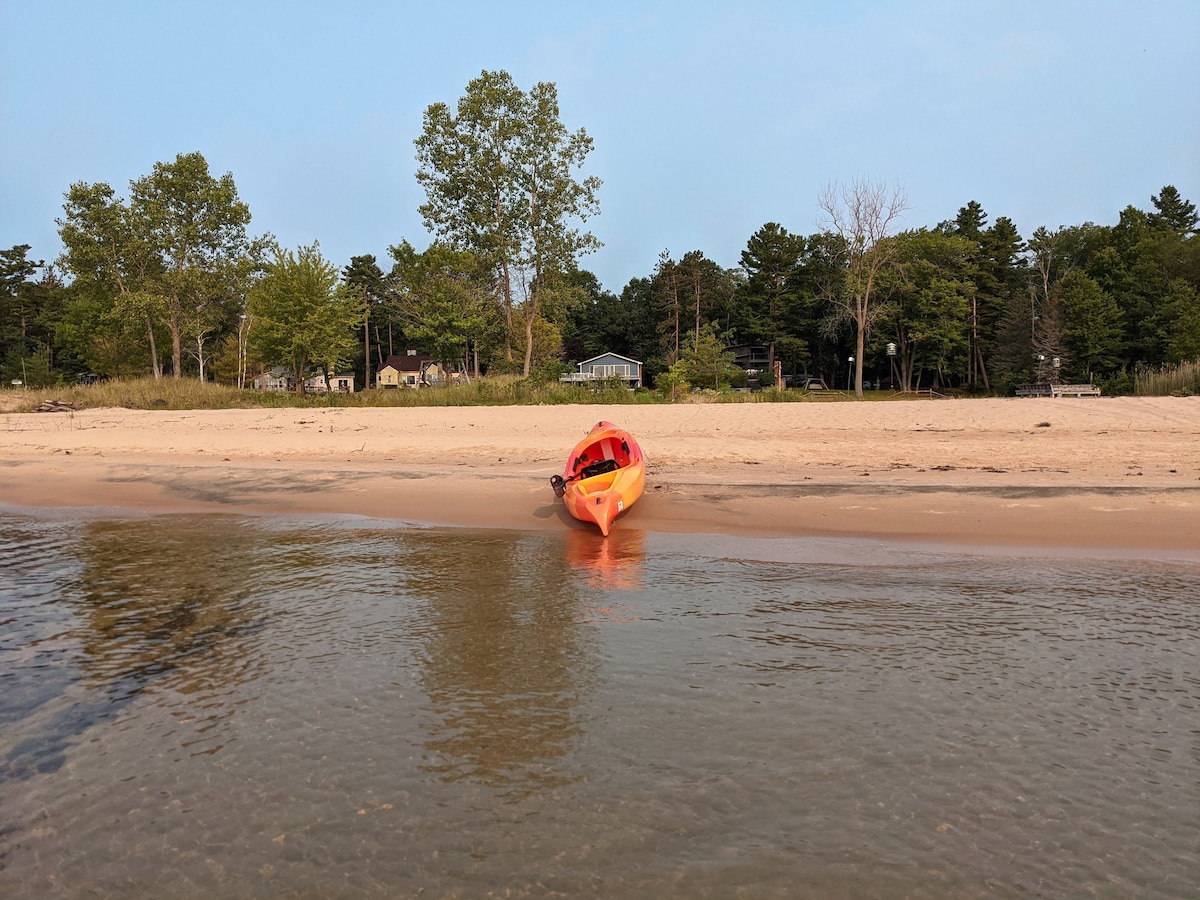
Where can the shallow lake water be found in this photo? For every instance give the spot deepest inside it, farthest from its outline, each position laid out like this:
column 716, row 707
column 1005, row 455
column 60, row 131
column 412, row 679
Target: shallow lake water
column 332, row 706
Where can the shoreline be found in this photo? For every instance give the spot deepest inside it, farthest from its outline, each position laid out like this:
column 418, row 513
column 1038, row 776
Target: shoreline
column 1107, row 474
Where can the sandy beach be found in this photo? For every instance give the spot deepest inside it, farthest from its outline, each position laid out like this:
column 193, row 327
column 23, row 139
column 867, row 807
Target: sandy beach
column 1059, row 473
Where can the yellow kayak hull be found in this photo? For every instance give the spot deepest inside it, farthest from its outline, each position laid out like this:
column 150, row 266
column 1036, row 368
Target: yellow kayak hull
column 598, row 499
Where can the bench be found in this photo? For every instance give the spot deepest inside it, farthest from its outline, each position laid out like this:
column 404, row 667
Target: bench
column 1074, row 390
column 1058, row 390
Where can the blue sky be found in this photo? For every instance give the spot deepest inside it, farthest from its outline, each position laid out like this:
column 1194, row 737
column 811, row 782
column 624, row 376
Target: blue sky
column 709, row 119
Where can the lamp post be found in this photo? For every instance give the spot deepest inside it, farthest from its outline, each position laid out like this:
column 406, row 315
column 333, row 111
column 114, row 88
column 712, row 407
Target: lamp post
column 849, row 371
column 891, row 352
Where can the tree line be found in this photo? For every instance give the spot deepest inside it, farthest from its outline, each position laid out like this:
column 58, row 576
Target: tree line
column 168, row 282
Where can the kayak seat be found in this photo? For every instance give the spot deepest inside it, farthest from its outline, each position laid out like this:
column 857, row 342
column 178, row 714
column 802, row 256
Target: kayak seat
column 600, row 468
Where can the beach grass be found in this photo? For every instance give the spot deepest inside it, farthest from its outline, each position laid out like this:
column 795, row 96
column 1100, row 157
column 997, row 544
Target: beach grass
column 498, row 390
column 190, row 393
column 1182, row 380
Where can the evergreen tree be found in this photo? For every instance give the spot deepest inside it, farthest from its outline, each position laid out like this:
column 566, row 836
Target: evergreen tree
column 771, row 307
column 1091, row 325
column 1173, row 212
column 364, row 276
column 26, row 353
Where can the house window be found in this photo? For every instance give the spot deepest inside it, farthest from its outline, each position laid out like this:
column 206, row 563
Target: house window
column 609, row 371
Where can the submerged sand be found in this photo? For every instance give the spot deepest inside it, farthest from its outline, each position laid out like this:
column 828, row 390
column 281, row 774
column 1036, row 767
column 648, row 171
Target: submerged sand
column 1089, row 472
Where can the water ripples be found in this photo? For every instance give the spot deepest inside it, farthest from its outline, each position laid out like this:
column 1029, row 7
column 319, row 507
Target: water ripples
column 241, row 705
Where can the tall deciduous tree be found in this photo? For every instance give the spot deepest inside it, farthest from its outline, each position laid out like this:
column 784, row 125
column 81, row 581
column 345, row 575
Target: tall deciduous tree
column 302, row 314
column 928, row 314
column 499, row 174
column 115, row 268
column 196, row 226
column 861, row 214
column 168, row 255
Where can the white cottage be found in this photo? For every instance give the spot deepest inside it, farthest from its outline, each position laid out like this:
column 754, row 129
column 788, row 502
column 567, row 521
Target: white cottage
column 342, row 384
column 278, row 379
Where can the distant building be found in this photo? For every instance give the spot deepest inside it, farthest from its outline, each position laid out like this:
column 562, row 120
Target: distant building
column 281, row 379
column 751, row 357
column 606, row 365
column 411, row 370
column 341, row 384
column 277, row 379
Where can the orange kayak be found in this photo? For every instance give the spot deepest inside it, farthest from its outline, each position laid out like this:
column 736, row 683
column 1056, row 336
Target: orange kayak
column 604, row 475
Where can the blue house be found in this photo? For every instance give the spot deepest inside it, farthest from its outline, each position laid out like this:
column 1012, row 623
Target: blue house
column 607, row 365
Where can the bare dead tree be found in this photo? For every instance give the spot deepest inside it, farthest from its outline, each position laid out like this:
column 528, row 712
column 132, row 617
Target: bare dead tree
column 861, row 214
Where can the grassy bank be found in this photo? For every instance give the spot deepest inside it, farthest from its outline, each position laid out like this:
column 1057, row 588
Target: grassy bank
column 504, row 390
column 1182, row 380
column 187, row 393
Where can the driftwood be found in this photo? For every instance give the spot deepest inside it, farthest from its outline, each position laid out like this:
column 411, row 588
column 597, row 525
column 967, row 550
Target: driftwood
column 54, row 406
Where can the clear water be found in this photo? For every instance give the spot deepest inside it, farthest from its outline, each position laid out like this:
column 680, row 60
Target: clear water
column 240, row 707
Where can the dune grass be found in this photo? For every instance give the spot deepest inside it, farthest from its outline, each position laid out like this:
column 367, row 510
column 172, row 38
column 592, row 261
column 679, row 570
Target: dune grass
column 190, row 393
column 499, row 390
column 1182, row 380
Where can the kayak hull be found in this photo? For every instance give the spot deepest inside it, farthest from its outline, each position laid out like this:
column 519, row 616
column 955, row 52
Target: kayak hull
column 598, row 499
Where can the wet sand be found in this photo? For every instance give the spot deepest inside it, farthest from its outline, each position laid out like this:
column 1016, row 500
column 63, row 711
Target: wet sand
column 1063, row 473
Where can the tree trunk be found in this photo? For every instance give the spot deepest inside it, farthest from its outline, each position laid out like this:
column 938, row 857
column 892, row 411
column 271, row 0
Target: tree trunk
column 176, row 347
column 506, row 286
column 366, row 352
column 153, row 351
column 859, row 346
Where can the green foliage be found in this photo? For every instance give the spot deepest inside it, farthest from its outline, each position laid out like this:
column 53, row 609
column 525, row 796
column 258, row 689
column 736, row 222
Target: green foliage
column 550, row 372
column 1173, row 212
column 1181, row 308
column 26, row 335
column 967, row 303
column 499, row 179
column 706, row 362
column 1117, row 384
column 302, row 315
column 928, row 315
column 179, row 244
column 102, row 333
column 772, row 306
column 673, row 383
column 1092, row 324
column 442, row 299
